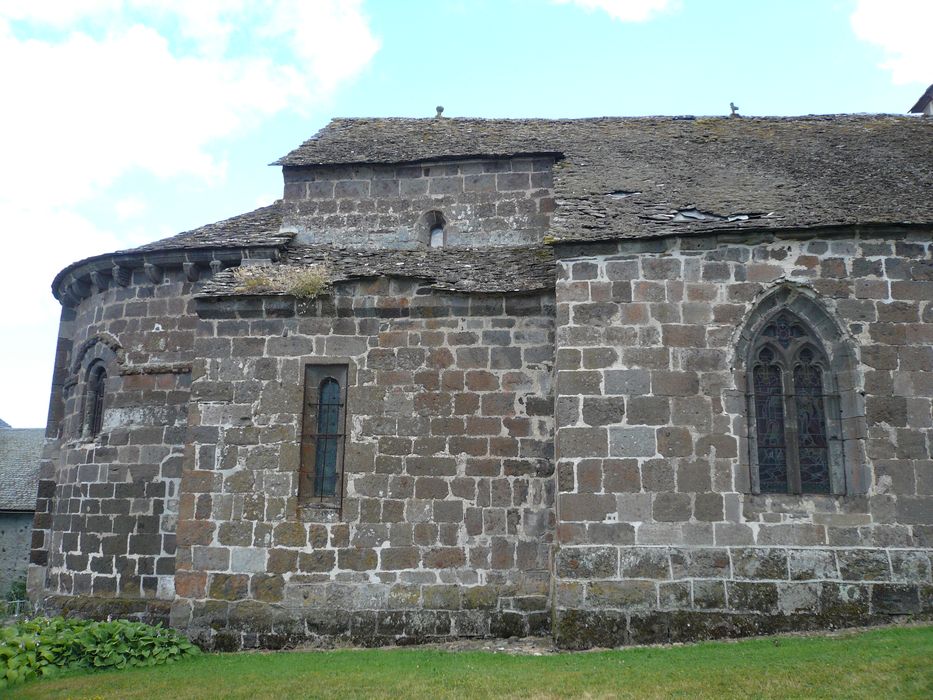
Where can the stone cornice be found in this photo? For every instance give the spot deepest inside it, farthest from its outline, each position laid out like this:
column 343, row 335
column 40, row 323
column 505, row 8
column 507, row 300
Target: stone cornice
column 81, row 279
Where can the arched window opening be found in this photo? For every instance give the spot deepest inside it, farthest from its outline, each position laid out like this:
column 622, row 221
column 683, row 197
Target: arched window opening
column 792, row 393
column 321, row 471
column 94, row 399
column 433, row 229
column 437, row 237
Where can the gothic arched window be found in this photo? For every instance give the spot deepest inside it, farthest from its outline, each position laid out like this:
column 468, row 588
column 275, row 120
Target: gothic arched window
column 94, row 399
column 792, row 402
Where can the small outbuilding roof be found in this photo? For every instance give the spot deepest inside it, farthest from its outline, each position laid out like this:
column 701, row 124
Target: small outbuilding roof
column 20, row 450
column 923, row 104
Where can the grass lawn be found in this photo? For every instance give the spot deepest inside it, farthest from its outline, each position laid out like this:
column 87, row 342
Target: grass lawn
column 884, row 663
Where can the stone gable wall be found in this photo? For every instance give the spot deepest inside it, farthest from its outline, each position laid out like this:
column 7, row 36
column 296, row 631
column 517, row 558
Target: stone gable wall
column 507, row 201
column 659, row 536
column 447, row 520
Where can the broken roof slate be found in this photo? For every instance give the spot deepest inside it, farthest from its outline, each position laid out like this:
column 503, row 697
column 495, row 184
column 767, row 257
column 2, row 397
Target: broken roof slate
column 20, row 450
column 644, row 176
column 499, row 270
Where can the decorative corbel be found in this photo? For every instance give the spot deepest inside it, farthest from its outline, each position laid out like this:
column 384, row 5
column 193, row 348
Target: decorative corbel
column 81, row 288
column 69, row 298
column 153, row 272
column 216, row 266
column 121, row 275
column 99, row 281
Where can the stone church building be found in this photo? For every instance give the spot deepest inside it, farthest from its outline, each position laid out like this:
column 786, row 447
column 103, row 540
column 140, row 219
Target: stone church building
column 618, row 380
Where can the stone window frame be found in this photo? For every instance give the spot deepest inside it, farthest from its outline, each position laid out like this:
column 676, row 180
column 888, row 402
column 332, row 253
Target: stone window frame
column 844, row 407
column 428, row 223
column 95, row 392
column 313, row 507
column 96, row 356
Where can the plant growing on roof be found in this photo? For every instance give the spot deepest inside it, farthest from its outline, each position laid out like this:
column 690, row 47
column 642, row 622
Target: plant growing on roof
column 304, row 282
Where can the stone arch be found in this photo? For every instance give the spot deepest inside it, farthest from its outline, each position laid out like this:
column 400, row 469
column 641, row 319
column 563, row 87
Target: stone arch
column 107, row 340
column 98, row 354
column 845, row 402
column 428, row 223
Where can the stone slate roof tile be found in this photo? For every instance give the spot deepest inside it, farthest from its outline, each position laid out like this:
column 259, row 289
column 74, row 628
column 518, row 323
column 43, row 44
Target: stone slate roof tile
column 526, row 269
column 655, row 176
column 20, row 450
column 256, row 228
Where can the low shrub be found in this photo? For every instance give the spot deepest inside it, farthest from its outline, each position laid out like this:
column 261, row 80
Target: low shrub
column 44, row 646
column 17, row 591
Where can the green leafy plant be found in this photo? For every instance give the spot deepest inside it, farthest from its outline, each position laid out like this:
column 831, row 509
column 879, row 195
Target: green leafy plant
column 44, row 646
column 17, row 591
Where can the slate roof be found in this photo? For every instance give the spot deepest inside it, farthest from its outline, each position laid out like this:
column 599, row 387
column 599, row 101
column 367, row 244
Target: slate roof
column 655, row 176
column 259, row 227
column 614, row 177
column 19, row 467
column 499, row 270
column 4, row 424
column 256, row 229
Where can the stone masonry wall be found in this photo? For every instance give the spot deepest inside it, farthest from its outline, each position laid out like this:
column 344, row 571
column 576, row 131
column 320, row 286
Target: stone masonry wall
column 447, row 520
column 659, row 535
column 15, row 532
column 507, row 201
column 107, row 507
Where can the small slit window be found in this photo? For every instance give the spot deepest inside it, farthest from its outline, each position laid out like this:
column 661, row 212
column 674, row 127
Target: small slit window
column 94, row 399
column 434, row 229
column 322, row 439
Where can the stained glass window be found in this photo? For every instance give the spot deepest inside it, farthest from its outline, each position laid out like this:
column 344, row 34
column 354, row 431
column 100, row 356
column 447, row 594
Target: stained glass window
column 789, row 401
column 784, row 329
column 811, row 425
column 769, row 418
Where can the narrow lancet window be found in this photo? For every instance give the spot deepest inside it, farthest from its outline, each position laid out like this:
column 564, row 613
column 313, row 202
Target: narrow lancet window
column 328, row 432
column 322, row 435
column 769, row 417
column 813, row 450
column 94, row 398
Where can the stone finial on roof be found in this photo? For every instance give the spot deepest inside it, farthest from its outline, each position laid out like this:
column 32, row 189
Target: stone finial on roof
column 924, row 104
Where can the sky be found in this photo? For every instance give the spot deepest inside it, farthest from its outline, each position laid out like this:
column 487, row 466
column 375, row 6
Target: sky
column 125, row 121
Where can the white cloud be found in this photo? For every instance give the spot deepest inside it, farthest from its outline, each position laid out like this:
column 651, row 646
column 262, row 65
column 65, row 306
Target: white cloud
column 903, row 29
column 625, row 10
column 97, row 91
column 130, row 207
